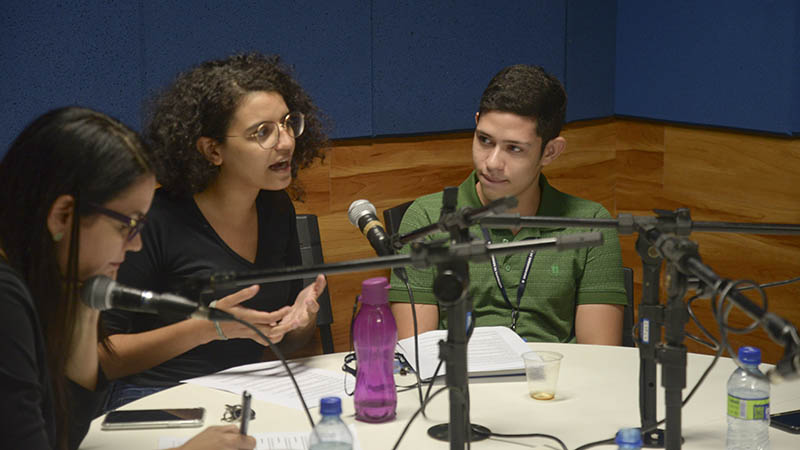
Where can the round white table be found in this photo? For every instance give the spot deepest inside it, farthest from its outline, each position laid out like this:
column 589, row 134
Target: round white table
column 597, row 394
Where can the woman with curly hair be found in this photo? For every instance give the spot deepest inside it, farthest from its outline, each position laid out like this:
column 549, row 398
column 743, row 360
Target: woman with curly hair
column 74, row 188
column 227, row 139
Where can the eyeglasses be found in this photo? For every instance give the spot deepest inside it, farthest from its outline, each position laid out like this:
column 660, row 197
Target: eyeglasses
column 268, row 133
column 133, row 225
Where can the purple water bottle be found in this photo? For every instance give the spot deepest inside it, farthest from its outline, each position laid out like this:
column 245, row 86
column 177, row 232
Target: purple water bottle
column 374, row 337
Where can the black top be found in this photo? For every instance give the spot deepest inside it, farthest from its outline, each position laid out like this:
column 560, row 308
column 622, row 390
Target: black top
column 27, row 409
column 179, row 244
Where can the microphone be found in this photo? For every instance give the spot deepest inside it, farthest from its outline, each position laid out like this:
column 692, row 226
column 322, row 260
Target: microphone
column 363, row 215
column 787, row 369
column 102, row 293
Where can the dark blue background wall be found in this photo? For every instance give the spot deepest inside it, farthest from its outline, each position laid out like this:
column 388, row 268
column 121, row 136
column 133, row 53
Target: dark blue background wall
column 383, row 67
column 730, row 63
column 431, row 63
column 65, row 53
column 590, row 64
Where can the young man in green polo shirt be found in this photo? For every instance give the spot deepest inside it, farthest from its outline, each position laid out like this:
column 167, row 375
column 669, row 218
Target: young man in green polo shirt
column 571, row 296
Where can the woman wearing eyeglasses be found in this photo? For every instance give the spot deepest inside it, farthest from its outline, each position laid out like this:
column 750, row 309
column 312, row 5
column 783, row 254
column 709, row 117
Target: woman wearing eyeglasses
column 74, row 188
column 227, row 138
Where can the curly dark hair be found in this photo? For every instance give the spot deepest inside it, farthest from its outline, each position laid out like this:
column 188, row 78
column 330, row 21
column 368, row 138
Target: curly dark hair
column 528, row 91
column 202, row 102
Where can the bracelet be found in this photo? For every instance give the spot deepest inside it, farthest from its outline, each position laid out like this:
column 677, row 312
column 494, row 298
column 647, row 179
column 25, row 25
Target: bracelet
column 216, row 323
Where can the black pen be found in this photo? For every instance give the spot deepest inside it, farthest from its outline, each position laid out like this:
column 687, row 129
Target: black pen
column 245, row 412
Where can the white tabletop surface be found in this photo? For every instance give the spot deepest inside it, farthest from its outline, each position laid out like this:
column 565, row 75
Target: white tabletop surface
column 597, row 394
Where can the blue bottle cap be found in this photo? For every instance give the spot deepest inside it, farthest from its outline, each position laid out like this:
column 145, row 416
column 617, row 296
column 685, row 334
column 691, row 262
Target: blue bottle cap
column 750, row 355
column 629, row 436
column 330, row 406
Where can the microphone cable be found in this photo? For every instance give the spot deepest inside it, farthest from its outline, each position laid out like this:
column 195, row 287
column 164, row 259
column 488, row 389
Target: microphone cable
column 416, row 413
column 277, row 352
column 401, row 273
column 721, row 318
column 662, row 421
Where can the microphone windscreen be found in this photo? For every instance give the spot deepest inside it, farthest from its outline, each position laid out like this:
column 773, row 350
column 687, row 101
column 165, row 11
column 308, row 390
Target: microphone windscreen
column 96, row 292
column 358, row 208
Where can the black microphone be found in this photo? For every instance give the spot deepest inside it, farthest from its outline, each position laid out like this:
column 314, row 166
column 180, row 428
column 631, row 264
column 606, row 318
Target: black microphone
column 103, row 293
column 787, row 369
column 363, row 215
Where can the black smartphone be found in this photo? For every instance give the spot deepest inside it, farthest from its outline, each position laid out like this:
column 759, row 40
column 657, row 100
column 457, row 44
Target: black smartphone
column 138, row 419
column 786, row 421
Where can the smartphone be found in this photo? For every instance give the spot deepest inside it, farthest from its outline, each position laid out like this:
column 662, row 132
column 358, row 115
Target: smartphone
column 138, row 419
column 786, row 421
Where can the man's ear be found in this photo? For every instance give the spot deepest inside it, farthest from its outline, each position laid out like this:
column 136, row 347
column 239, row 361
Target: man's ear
column 553, row 150
column 477, row 117
column 209, row 148
column 59, row 219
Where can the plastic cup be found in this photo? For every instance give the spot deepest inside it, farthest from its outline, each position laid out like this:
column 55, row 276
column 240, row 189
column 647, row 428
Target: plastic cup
column 541, row 371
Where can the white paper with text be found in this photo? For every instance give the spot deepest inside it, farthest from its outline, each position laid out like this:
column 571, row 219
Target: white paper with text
column 269, row 382
column 490, row 351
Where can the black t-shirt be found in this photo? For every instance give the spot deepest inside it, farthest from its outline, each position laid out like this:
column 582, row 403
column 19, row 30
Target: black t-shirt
column 27, row 411
column 179, row 244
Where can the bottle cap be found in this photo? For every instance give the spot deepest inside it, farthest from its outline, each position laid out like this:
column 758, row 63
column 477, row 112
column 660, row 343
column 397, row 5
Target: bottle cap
column 629, row 436
column 330, row 406
column 374, row 291
column 750, row 355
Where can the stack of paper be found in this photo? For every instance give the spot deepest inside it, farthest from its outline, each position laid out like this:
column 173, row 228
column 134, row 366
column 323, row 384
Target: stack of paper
column 491, row 351
column 279, row 440
column 269, row 382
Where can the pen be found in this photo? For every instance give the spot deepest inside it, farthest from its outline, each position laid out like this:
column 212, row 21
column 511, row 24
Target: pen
column 245, row 412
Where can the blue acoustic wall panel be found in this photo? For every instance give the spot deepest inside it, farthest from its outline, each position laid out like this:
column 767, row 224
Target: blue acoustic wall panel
column 432, row 60
column 796, row 70
column 327, row 44
column 591, row 45
column 54, row 54
column 726, row 63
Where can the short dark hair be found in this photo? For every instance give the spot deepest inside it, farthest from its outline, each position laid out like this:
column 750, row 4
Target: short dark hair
column 202, row 101
column 528, row 91
column 68, row 151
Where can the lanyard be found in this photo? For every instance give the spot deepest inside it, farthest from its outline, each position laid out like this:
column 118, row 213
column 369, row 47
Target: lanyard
column 523, row 281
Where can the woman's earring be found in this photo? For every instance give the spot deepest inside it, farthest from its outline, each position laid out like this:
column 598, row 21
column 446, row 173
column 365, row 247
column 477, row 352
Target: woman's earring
column 58, row 236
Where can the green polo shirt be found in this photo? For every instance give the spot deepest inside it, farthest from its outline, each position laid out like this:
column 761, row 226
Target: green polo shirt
column 557, row 283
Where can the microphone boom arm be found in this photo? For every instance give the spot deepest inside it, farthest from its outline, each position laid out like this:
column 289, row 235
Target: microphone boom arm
column 422, row 255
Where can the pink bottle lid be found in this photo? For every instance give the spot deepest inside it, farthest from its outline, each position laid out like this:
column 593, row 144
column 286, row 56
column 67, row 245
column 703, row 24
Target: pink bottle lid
column 374, row 291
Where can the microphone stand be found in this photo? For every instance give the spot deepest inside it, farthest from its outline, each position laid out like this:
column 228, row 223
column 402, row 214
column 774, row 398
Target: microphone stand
column 451, row 287
column 684, row 259
column 660, row 237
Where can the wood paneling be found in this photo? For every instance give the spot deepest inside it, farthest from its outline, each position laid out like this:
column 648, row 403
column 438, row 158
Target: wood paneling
column 386, row 172
column 627, row 165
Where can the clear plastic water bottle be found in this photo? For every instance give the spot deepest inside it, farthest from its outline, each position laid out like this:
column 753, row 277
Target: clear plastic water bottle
column 374, row 339
column 330, row 433
column 628, row 439
column 748, row 404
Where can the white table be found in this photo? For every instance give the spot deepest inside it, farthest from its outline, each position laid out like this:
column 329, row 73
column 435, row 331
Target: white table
column 597, row 394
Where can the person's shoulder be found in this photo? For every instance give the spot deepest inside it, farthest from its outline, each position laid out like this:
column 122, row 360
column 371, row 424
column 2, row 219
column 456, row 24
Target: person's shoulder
column 10, row 280
column 15, row 299
column 579, row 207
column 422, row 211
column 427, row 202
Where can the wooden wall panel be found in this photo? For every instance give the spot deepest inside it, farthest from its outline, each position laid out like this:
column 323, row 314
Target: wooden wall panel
column 587, row 166
column 386, row 172
column 723, row 176
column 627, row 165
